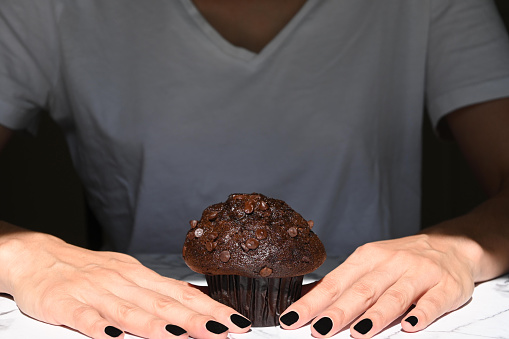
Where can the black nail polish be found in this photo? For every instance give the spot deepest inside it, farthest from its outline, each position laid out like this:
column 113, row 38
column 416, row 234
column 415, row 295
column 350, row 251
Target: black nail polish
column 112, row 331
column 412, row 320
column 175, row 330
column 323, row 326
column 240, row 321
column 215, row 327
column 289, row 318
column 363, row 326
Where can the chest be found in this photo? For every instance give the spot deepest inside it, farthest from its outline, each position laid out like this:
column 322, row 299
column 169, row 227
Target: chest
column 159, row 61
column 248, row 24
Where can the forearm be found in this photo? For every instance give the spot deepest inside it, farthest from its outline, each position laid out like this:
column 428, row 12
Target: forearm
column 8, row 234
column 481, row 235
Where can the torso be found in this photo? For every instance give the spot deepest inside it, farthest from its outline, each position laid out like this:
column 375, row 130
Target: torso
column 163, row 118
column 247, row 23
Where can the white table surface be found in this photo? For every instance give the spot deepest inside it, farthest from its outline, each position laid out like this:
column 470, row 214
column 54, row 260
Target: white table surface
column 485, row 316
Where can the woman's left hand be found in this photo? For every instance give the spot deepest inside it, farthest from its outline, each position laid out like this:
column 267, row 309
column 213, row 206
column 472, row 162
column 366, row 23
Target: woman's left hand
column 379, row 283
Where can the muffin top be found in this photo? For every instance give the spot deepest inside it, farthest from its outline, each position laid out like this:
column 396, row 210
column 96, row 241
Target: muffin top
column 254, row 236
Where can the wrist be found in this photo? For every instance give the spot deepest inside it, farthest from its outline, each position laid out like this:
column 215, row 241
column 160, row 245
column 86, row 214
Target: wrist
column 17, row 246
column 459, row 245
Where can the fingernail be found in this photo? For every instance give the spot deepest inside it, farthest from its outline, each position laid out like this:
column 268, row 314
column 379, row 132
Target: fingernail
column 240, row 321
column 175, row 330
column 289, row 318
column 323, row 326
column 112, row 331
column 363, row 326
column 412, row 320
column 215, row 327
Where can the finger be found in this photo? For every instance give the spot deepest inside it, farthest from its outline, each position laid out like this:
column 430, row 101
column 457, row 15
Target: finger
column 199, row 304
column 86, row 320
column 394, row 302
column 192, row 297
column 432, row 305
column 309, row 287
column 318, row 297
column 361, row 295
column 208, row 315
column 133, row 319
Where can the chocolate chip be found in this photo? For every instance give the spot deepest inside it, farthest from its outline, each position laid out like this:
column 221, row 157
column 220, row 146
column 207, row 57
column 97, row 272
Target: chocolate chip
column 239, row 214
column 193, row 223
column 212, row 235
column 252, row 244
column 292, row 231
column 244, row 247
column 248, row 207
column 265, row 272
column 213, row 215
column 311, row 223
column 224, row 256
column 265, row 214
column 261, row 234
column 198, row 232
column 190, row 235
column 210, row 246
column 263, row 206
column 304, row 231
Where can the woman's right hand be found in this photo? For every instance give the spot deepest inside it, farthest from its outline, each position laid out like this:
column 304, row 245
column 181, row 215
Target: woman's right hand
column 104, row 294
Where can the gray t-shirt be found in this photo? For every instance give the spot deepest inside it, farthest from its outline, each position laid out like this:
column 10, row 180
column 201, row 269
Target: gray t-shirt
column 164, row 117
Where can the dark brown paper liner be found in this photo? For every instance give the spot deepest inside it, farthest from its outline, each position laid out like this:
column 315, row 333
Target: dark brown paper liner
column 261, row 300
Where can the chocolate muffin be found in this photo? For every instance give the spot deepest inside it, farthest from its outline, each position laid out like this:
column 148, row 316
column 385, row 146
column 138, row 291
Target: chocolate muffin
column 254, row 251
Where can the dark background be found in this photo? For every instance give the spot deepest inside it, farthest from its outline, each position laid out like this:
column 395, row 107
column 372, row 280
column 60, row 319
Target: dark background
column 40, row 190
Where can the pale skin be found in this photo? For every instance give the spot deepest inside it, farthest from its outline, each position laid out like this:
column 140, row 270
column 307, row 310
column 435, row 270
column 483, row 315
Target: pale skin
column 436, row 270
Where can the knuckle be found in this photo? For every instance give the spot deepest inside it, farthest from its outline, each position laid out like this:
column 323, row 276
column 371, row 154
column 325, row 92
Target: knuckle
column 195, row 320
column 164, row 305
column 434, row 303
column 329, row 289
column 431, row 308
column 110, row 275
column 47, row 298
column 339, row 314
column 86, row 320
column 80, row 314
column 122, row 257
column 92, row 269
column 189, row 295
column 372, row 252
column 219, row 309
column 364, row 290
column 380, row 316
column 366, row 249
column 124, row 311
column 153, row 327
column 397, row 297
column 458, row 292
column 430, row 263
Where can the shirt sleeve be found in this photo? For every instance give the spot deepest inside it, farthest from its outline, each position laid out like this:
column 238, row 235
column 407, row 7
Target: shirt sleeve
column 468, row 56
column 28, row 63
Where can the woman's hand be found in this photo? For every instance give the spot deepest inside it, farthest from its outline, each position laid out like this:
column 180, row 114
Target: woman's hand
column 103, row 294
column 380, row 281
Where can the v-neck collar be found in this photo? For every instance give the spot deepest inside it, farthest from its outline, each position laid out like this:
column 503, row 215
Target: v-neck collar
column 239, row 52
